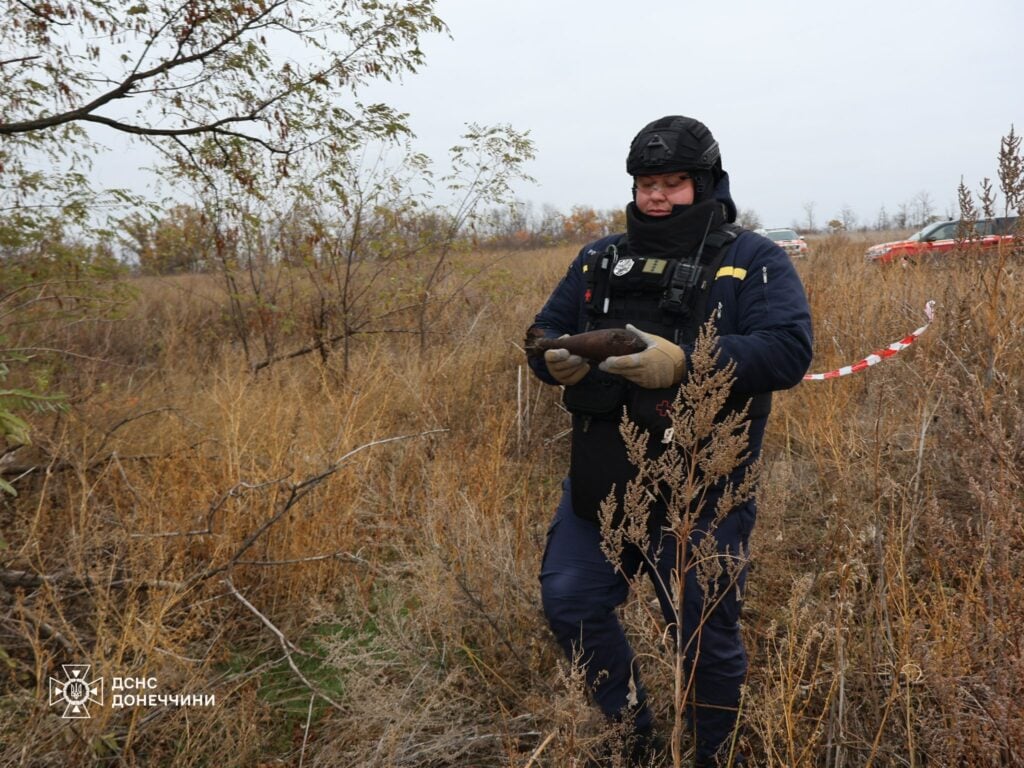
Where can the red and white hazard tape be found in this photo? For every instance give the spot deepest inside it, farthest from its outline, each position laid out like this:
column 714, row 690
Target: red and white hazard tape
column 878, row 355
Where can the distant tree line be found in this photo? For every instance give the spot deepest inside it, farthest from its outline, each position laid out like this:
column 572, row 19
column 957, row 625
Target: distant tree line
column 190, row 237
column 915, row 213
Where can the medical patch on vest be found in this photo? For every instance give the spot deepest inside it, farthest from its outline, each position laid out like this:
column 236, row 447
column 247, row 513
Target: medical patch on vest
column 622, row 267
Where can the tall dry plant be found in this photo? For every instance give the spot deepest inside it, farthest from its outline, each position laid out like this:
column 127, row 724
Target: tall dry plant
column 687, row 482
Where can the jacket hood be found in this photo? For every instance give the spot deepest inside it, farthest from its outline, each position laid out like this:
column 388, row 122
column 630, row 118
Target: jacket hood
column 723, row 195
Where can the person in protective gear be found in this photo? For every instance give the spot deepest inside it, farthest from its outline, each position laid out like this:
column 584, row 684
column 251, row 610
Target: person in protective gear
column 681, row 261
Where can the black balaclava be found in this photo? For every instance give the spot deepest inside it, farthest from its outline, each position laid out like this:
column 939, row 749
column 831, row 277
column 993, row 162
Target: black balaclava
column 676, row 235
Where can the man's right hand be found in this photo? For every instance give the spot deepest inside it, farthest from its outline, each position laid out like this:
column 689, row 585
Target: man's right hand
column 566, row 368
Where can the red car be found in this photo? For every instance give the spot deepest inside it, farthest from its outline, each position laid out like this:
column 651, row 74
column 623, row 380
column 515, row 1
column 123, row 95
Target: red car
column 941, row 237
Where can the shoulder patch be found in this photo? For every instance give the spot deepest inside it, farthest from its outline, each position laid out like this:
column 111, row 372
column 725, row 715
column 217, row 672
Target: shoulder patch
column 738, row 272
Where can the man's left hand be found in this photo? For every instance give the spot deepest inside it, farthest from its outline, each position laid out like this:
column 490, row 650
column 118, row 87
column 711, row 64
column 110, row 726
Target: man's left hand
column 660, row 365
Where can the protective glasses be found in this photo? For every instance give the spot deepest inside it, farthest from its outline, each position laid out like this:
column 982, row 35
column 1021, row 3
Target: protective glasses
column 663, row 184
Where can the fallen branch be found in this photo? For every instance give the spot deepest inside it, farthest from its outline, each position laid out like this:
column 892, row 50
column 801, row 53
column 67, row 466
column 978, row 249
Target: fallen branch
column 339, row 555
column 297, row 493
column 14, row 579
column 286, row 645
column 230, row 493
column 46, row 630
column 8, row 470
column 541, row 748
column 305, row 732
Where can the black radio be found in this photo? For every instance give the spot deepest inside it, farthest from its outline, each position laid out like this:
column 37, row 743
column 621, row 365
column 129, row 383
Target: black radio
column 686, row 276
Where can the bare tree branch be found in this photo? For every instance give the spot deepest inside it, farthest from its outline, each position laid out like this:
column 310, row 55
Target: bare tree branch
column 126, row 86
column 19, row 60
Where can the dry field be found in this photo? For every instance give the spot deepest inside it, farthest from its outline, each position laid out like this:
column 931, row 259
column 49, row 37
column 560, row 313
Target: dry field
column 342, row 564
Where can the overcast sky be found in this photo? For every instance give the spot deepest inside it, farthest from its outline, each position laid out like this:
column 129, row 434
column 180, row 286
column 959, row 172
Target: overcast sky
column 857, row 104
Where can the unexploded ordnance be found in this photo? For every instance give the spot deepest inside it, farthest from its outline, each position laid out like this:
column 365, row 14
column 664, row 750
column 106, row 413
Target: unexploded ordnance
column 591, row 345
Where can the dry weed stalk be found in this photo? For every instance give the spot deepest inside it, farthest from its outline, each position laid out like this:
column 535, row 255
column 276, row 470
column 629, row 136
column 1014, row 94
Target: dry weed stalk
column 688, row 483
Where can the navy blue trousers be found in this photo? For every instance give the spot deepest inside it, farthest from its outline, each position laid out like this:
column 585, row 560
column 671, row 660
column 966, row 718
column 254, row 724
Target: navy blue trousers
column 581, row 591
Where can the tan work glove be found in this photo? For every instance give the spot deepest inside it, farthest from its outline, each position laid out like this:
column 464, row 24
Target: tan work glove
column 567, row 368
column 660, row 365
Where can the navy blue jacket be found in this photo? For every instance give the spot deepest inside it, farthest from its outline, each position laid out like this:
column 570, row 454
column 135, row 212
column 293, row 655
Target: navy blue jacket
column 762, row 319
column 761, row 314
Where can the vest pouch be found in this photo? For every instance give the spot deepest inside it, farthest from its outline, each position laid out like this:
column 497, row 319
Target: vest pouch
column 598, row 461
column 651, row 410
column 597, row 464
column 598, row 395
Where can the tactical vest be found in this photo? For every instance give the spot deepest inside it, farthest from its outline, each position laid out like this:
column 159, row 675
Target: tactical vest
column 667, row 297
column 663, row 296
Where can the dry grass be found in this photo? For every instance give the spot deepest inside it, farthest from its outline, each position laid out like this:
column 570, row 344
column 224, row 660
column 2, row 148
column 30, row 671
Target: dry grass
column 885, row 602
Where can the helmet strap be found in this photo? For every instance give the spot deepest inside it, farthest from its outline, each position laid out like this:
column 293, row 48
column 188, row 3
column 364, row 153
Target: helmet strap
column 703, row 185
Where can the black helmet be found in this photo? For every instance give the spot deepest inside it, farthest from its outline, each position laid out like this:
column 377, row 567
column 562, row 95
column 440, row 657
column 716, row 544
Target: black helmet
column 674, row 143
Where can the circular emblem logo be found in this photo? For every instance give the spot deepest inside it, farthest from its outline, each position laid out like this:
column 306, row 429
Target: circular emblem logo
column 622, row 267
column 76, row 693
